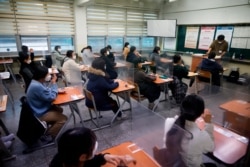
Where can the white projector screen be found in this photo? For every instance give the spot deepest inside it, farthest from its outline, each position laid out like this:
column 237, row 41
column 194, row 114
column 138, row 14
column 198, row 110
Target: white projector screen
column 161, row 28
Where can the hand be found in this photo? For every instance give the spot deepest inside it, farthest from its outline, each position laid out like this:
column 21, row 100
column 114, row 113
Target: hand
column 207, row 116
column 54, row 78
column 127, row 159
column 113, row 159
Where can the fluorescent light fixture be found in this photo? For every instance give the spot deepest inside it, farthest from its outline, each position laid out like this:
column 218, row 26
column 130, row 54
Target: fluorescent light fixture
column 172, row 0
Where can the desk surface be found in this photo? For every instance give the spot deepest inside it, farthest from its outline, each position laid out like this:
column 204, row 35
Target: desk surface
column 71, row 94
column 237, row 106
column 161, row 80
column 229, row 146
column 129, row 148
column 3, row 103
column 119, row 65
column 123, row 86
column 6, row 61
column 38, row 58
column 146, row 63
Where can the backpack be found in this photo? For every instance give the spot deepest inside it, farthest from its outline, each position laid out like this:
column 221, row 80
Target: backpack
column 233, row 76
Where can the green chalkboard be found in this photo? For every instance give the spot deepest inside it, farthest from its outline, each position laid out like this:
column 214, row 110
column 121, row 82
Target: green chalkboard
column 181, row 42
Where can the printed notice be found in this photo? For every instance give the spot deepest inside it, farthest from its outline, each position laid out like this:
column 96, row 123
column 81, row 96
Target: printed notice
column 191, row 37
column 206, row 37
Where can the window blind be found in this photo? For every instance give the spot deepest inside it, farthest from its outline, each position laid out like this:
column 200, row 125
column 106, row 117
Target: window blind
column 102, row 21
column 37, row 17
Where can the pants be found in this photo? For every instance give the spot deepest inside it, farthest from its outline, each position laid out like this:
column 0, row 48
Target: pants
column 110, row 104
column 55, row 119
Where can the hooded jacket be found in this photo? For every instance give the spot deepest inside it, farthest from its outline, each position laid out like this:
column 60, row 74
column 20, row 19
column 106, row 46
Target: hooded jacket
column 99, row 86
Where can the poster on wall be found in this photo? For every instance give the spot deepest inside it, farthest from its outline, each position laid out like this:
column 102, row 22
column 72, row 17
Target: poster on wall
column 239, row 43
column 191, row 37
column 206, row 37
column 227, row 31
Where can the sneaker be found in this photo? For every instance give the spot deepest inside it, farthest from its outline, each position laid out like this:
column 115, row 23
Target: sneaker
column 10, row 137
column 122, row 117
column 8, row 144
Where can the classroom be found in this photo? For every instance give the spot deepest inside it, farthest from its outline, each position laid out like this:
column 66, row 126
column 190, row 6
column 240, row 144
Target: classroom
column 124, row 83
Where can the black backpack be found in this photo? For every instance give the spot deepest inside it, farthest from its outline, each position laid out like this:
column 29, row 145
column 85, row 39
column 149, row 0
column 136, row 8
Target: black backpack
column 233, row 76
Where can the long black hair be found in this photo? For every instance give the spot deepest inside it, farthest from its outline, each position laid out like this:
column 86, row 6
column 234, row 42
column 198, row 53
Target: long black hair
column 125, row 45
column 156, row 49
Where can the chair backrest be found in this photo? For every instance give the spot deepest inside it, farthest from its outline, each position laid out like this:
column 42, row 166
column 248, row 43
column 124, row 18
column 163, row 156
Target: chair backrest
column 90, row 96
column 205, row 74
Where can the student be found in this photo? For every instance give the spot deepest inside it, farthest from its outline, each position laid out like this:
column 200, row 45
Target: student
column 57, row 57
column 133, row 56
column 100, row 86
column 77, row 147
column 192, row 107
column 26, row 50
column 110, row 54
column 125, row 50
column 87, row 55
column 179, row 70
column 219, row 46
column 71, row 69
column 155, row 58
column 40, row 98
column 26, row 69
column 211, row 65
column 147, row 86
column 110, row 65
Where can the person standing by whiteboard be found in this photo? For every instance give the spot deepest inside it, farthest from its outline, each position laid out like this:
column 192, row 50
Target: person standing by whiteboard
column 219, row 46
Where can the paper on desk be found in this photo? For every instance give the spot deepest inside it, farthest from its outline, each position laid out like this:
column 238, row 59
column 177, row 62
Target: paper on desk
column 242, row 101
column 5, row 75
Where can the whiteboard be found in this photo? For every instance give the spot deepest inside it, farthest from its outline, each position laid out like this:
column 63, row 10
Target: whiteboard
column 161, row 28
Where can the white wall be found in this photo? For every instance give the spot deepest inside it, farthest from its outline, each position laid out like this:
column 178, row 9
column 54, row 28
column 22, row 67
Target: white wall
column 208, row 11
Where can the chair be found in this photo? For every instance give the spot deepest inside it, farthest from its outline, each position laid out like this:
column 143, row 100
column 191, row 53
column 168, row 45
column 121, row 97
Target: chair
column 207, row 75
column 135, row 94
column 236, row 123
column 94, row 109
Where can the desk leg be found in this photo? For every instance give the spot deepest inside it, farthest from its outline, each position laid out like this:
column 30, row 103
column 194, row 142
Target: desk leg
column 195, row 85
column 74, row 108
column 6, row 131
column 11, row 72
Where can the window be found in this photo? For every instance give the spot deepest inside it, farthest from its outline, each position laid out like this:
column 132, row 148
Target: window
column 134, row 41
column 148, row 42
column 116, row 43
column 37, row 43
column 8, row 44
column 66, row 43
column 97, row 43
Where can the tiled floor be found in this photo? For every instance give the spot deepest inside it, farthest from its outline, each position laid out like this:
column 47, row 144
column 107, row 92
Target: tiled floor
column 139, row 129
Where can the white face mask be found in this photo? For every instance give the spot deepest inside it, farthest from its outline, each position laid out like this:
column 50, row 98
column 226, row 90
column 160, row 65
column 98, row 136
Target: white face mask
column 29, row 61
column 107, row 52
column 219, row 42
column 48, row 78
column 59, row 50
column 74, row 57
column 95, row 150
column 128, row 46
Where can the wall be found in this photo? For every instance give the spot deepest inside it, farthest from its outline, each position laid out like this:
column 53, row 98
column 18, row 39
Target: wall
column 208, row 11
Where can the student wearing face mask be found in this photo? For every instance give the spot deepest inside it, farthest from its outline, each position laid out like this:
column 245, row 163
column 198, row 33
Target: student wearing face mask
column 40, row 98
column 110, row 54
column 126, row 50
column 77, row 147
column 26, row 69
column 110, row 65
column 219, row 46
column 71, row 69
column 57, row 57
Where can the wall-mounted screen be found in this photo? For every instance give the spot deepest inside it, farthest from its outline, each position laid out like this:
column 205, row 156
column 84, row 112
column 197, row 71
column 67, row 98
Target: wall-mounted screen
column 161, row 28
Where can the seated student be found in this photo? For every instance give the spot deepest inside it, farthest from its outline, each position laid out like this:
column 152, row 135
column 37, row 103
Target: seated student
column 100, row 86
column 110, row 54
column 211, row 65
column 57, row 57
column 40, row 98
column 87, row 55
column 26, row 50
column 179, row 70
column 133, row 56
column 71, row 69
column 78, row 147
column 110, row 65
column 26, row 69
column 147, row 86
column 192, row 107
column 125, row 50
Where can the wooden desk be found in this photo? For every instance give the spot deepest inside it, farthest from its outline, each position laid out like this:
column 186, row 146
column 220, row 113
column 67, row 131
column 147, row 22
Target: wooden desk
column 71, row 96
column 6, row 61
column 229, row 146
column 129, row 148
column 160, row 81
column 38, row 58
column 237, row 106
column 146, row 63
column 197, row 58
column 194, row 75
column 123, row 86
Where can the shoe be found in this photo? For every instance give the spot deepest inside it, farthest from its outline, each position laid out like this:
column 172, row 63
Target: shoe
column 8, row 144
column 151, row 106
column 122, row 117
column 10, row 137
